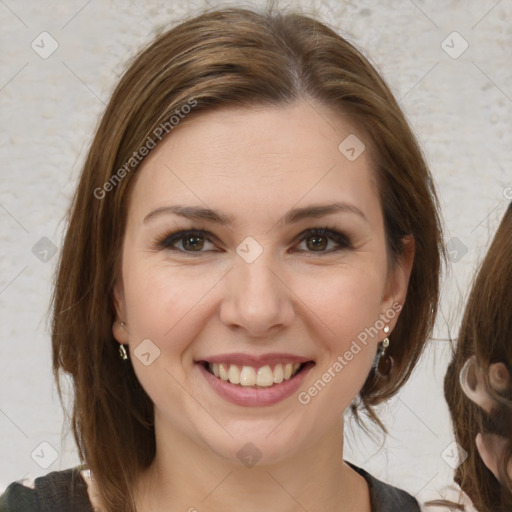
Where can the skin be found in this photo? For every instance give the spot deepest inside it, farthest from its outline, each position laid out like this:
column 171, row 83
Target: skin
column 254, row 165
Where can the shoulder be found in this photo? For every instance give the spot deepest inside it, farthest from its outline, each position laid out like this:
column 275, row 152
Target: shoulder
column 385, row 497
column 55, row 492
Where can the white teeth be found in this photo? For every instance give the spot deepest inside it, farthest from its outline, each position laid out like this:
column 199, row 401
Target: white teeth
column 247, row 376
column 265, row 377
column 223, row 372
column 278, row 373
column 234, row 374
column 250, row 376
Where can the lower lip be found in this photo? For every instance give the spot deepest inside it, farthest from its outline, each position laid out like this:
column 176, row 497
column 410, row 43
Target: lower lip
column 256, row 397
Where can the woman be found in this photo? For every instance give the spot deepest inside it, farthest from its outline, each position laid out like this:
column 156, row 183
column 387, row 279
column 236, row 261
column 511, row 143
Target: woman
column 253, row 248
column 478, row 383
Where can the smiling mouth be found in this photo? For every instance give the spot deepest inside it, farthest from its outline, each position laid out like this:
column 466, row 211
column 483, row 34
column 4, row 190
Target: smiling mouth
column 259, row 377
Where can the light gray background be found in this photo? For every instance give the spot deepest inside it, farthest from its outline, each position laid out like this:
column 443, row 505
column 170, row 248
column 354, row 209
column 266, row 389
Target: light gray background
column 460, row 108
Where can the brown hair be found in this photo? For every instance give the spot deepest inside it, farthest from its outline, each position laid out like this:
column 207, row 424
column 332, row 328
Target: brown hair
column 224, row 58
column 486, row 333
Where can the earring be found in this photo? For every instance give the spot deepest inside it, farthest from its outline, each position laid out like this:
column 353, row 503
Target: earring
column 122, row 324
column 123, row 353
column 384, row 361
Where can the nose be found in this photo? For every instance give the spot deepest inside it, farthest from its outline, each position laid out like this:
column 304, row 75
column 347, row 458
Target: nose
column 257, row 299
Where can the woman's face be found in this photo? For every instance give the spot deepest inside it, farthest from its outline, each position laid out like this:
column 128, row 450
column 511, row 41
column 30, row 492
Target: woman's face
column 253, row 295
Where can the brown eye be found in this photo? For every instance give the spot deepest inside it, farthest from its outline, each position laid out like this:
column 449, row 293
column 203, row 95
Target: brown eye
column 192, row 242
column 319, row 239
column 186, row 241
column 317, row 243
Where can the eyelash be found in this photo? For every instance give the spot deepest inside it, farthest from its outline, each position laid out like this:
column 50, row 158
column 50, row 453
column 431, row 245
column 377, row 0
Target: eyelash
column 169, row 239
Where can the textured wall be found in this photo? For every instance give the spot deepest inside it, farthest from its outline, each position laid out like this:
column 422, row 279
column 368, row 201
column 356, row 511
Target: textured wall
column 458, row 100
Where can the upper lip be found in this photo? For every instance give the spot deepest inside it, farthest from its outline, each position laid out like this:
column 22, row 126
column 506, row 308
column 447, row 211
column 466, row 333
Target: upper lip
column 254, row 360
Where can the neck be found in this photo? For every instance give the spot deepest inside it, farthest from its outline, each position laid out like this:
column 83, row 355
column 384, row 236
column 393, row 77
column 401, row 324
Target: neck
column 189, row 477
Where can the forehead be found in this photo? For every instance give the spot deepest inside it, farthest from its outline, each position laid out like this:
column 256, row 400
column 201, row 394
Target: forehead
column 259, row 157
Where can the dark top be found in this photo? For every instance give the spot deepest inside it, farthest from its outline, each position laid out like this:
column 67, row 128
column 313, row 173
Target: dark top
column 66, row 491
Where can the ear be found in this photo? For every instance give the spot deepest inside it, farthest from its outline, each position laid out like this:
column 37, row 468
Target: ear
column 119, row 331
column 398, row 279
column 491, row 447
column 473, row 385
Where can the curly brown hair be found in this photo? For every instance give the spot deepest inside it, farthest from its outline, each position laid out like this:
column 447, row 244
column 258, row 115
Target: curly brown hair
column 485, row 333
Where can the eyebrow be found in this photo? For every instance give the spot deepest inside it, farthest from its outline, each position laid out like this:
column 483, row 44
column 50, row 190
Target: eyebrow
column 293, row 216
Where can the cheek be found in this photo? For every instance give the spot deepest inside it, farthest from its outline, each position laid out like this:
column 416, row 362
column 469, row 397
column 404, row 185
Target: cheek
column 162, row 300
column 163, row 305
column 347, row 302
column 348, row 305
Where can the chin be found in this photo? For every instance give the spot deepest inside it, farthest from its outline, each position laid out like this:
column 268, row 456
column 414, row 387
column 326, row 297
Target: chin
column 261, row 443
